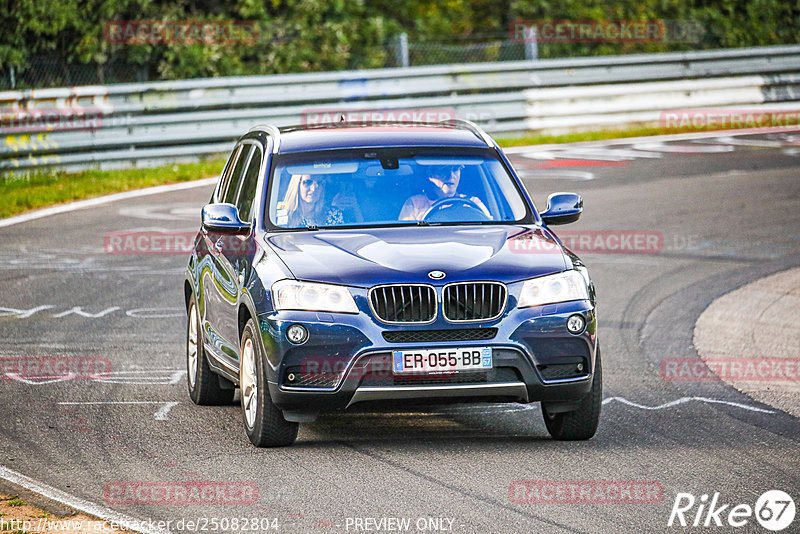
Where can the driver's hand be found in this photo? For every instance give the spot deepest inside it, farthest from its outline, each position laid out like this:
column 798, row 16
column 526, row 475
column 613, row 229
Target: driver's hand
column 483, row 208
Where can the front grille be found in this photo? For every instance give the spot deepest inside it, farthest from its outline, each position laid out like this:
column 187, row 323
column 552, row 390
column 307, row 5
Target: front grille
column 473, row 301
column 425, row 336
column 404, row 303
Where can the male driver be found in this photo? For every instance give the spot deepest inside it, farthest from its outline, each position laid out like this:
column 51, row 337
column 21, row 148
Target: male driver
column 442, row 183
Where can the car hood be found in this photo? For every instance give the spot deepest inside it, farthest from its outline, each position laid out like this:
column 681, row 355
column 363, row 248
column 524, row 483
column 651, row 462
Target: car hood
column 366, row 257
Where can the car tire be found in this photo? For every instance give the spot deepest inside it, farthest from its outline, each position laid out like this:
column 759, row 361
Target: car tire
column 204, row 384
column 581, row 423
column 264, row 423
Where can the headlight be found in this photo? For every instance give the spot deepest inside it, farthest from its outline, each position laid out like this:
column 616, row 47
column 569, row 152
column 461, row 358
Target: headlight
column 561, row 287
column 294, row 295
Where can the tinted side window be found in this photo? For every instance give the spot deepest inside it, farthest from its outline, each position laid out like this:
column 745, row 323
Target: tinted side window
column 248, row 189
column 226, row 173
column 236, row 176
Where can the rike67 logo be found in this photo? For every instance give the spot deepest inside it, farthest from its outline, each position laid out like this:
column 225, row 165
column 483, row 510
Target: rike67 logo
column 774, row 510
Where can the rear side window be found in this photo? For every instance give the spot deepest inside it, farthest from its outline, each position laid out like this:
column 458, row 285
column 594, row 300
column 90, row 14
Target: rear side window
column 248, row 189
column 229, row 196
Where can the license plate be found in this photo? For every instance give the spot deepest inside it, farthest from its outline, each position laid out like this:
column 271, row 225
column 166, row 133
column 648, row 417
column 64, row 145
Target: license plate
column 441, row 360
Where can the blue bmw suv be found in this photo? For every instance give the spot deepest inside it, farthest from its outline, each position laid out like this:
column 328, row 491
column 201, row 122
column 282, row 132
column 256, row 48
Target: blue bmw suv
column 344, row 264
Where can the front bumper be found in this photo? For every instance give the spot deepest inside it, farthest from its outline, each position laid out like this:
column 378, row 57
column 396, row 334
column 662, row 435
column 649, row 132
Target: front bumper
column 531, row 350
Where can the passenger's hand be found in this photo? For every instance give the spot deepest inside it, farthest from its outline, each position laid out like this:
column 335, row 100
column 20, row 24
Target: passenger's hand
column 345, row 201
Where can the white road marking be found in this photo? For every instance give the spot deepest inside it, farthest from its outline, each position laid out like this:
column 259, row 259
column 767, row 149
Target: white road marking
column 145, row 377
column 156, row 313
column 591, row 153
column 652, row 138
column 139, row 313
column 683, row 149
column 79, row 311
column 159, row 415
column 148, row 377
column 76, row 503
column 173, row 212
column 650, row 147
column 92, row 202
column 683, row 400
column 728, row 140
column 40, row 380
column 23, row 314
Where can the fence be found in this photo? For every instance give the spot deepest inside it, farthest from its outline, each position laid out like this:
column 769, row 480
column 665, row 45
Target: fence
column 55, row 71
column 149, row 123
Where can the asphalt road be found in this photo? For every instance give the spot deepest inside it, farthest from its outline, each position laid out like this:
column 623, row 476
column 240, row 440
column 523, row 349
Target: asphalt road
column 728, row 211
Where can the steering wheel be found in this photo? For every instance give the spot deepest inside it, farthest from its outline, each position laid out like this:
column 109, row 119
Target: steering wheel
column 454, row 209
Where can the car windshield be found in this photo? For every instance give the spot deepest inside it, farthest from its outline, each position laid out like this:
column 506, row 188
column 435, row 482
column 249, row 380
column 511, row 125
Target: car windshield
column 391, row 187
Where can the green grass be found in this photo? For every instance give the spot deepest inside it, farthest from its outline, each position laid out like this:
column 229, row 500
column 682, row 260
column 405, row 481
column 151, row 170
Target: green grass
column 24, row 192
column 15, row 501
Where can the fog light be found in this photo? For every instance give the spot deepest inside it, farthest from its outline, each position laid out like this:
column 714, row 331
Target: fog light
column 575, row 324
column 579, row 367
column 297, row 334
column 290, row 377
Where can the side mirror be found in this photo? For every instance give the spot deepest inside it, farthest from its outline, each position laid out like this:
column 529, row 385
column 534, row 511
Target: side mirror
column 224, row 218
column 562, row 208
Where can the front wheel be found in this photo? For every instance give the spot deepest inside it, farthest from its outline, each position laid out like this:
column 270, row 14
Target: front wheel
column 263, row 421
column 581, row 423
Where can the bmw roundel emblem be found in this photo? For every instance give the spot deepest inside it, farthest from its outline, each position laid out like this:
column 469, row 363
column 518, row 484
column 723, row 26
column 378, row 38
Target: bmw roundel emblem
column 436, row 275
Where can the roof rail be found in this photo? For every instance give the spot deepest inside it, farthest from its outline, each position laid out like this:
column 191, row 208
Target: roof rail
column 273, row 131
column 472, row 127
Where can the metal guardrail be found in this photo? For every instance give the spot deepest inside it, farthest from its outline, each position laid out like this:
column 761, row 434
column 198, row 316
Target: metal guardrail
column 140, row 124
